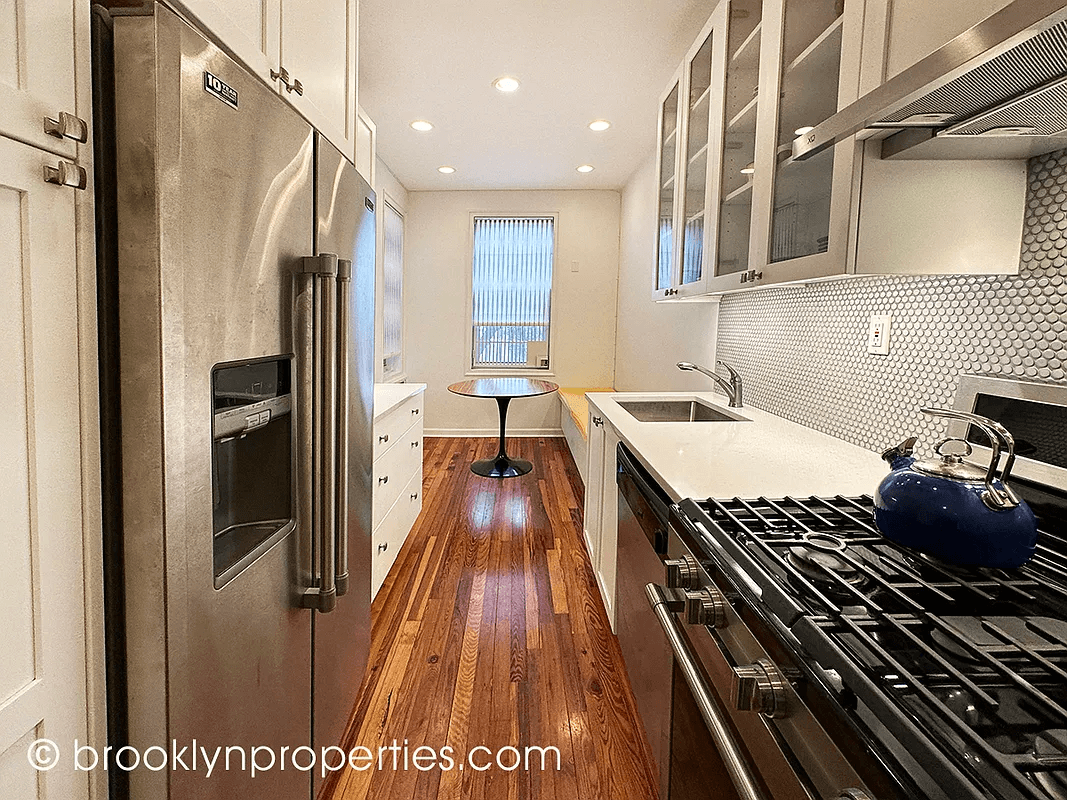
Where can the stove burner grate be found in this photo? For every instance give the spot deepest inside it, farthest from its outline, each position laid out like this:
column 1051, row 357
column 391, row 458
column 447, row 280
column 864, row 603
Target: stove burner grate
column 966, row 667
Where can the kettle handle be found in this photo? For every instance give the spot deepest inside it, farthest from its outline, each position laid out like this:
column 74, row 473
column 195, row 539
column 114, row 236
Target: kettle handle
column 998, row 436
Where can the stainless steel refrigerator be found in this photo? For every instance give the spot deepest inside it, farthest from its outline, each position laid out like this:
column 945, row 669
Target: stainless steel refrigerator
column 237, row 302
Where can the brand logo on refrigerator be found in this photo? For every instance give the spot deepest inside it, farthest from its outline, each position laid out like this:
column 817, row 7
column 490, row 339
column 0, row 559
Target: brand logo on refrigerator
column 220, row 89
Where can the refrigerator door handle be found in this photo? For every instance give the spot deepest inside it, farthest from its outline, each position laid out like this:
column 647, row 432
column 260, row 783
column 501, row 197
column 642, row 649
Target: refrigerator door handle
column 344, row 305
column 317, row 448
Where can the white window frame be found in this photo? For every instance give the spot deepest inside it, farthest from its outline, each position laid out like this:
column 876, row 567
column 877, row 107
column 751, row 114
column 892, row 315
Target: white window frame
column 400, row 375
column 523, row 371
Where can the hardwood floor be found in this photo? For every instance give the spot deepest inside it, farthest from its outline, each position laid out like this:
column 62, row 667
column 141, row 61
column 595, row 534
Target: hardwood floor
column 490, row 632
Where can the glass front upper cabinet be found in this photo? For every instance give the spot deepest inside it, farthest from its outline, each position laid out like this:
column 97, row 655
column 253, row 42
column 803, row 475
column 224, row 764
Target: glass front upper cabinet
column 666, row 181
column 686, row 235
column 738, row 142
column 805, row 204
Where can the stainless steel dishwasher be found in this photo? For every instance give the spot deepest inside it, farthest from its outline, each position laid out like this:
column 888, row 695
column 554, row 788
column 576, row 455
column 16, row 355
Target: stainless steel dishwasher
column 687, row 758
column 643, row 524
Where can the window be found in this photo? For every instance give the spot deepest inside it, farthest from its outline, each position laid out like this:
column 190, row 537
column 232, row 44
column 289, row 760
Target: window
column 393, row 295
column 512, row 291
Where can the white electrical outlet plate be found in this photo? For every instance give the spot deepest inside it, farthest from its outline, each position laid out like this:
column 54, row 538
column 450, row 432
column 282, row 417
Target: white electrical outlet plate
column 878, row 335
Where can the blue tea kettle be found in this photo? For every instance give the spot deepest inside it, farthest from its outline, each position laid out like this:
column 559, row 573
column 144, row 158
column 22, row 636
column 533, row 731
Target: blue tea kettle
column 953, row 509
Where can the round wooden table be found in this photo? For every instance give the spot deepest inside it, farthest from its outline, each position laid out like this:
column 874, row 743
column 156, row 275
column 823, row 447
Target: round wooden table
column 502, row 390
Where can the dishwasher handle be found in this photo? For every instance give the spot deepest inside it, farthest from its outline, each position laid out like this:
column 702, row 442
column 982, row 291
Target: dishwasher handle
column 733, row 756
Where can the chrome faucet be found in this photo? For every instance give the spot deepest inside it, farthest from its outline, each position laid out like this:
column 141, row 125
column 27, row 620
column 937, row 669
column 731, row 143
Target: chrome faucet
column 732, row 387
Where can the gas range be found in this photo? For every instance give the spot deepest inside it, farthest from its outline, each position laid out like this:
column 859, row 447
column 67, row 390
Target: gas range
column 951, row 681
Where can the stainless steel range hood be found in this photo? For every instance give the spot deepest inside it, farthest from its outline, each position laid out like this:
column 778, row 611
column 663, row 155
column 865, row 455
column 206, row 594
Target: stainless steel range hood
column 996, row 91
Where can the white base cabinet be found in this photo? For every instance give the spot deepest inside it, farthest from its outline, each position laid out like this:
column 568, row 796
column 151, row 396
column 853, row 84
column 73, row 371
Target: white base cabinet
column 397, row 472
column 601, row 506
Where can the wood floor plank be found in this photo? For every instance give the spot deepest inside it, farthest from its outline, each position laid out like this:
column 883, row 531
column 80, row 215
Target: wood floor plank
column 489, row 631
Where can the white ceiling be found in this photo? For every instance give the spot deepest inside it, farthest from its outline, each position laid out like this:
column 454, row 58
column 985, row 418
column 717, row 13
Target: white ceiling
column 577, row 60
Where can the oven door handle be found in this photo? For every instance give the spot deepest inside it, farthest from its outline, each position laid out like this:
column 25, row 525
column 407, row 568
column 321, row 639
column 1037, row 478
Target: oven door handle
column 733, row 756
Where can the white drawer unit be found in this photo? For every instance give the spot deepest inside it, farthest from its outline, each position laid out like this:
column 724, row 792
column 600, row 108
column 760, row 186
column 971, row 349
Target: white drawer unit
column 389, row 427
column 389, row 536
column 394, row 468
column 397, row 472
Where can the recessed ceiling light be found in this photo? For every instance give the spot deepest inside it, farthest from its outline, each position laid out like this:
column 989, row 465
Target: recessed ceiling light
column 422, row 125
column 805, row 129
column 446, row 170
column 599, row 125
column 506, row 84
column 585, row 168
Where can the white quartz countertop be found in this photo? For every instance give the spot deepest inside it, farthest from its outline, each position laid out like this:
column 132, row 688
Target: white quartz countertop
column 766, row 456
column 388, row 396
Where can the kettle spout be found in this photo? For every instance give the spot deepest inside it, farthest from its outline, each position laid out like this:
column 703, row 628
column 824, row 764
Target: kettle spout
column 902, row 450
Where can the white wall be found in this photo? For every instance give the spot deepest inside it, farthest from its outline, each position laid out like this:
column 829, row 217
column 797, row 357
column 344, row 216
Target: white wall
column 436, row 303
column 653, row 337
column 386, row 189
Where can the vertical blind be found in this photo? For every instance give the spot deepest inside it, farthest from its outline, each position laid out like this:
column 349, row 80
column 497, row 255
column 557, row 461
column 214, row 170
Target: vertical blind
column 392, row 294
column 512, row 289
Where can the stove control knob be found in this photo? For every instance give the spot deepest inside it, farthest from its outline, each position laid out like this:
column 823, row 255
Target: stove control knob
column 760, row 687
column 706, row 606
column 682, row 573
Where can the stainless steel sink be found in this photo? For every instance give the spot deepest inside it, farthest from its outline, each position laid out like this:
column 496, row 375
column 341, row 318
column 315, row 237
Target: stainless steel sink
column 677, row 411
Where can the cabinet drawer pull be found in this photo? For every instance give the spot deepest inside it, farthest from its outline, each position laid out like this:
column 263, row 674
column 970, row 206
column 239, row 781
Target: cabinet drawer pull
column 383, row 547
column 382, row 439
column 382, row 480
column 66, row 174
column 415, row 411
column 414, row 495
column 67, row 126
column 283, row 76
column 414, row 444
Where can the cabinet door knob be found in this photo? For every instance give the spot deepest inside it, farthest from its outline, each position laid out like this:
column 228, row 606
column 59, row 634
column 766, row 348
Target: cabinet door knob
column 383, row 547
column 67, row 174
column 383, row 479
column 384, row 438
column 414, row 495
column 598, row 421
column 415, row 411
column 67, row 126
column 414, row 444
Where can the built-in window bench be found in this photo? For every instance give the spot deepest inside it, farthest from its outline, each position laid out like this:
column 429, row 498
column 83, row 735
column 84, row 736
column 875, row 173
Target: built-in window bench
column 575, row 421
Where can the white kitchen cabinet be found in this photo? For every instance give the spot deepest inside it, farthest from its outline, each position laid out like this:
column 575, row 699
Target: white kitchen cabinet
column 306, row 49
column 318, row 50
column 366, row 147
column 690, row 125
column 398, row 446
column 601, row 506
column 47, row 505
column 37, row 73
column 915, row 28
column 789, row 65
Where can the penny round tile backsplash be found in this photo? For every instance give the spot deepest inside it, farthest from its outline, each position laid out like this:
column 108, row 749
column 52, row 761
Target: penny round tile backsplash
column 802, row 349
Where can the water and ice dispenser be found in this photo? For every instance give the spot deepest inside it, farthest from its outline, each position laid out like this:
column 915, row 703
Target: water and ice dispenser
column 251, row 461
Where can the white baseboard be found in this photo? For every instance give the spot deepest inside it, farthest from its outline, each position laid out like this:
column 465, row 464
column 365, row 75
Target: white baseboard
column 608, row 607
column 453, row 433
